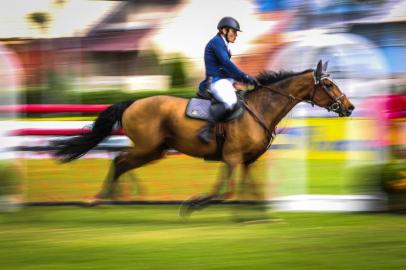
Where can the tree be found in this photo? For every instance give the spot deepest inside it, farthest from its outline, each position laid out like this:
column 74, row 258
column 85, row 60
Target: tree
column 40, row 19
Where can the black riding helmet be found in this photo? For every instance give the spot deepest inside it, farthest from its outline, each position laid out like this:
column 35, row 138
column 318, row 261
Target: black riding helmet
column 229, row 22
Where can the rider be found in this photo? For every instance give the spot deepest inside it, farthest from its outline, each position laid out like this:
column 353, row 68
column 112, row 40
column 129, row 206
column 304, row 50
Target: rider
column 221, row 73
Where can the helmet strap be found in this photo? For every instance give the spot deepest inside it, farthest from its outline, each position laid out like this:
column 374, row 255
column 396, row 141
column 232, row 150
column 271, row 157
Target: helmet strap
column 226, row 34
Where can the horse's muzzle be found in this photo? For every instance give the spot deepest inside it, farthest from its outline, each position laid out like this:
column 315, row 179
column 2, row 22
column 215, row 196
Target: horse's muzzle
column 349, row 110
column 341, row 110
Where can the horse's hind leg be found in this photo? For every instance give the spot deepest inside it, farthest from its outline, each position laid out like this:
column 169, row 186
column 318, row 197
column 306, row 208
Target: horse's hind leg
column 124, row 162
column 119, row 166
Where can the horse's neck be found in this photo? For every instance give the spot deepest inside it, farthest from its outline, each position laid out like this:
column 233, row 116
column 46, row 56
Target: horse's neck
column 273, row 106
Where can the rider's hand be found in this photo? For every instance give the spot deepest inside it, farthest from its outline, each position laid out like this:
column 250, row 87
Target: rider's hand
column 251, row 80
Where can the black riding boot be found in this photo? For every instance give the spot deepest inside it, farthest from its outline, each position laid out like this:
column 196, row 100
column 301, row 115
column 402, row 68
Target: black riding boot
column 206, row 132
column 219, row 112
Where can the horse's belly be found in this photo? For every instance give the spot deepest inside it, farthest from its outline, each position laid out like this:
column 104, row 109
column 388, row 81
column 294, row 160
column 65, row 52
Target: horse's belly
column 195, row 149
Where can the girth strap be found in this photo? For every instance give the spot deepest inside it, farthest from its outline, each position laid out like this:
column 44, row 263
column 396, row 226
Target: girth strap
column 220, row 133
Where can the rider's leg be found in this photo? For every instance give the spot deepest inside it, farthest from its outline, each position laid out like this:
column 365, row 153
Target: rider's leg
column 217, row 112
column 224, row 92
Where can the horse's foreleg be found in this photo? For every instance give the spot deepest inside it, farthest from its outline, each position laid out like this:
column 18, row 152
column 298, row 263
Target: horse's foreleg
column 245, row 178
column 225, row 186
column 218, row 193
column 248, row 184
column 249, row 191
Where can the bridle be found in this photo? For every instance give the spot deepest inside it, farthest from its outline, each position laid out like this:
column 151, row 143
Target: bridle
column 337, row 104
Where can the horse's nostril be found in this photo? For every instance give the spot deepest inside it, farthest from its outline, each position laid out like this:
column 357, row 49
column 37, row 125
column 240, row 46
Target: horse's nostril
column 351, row 108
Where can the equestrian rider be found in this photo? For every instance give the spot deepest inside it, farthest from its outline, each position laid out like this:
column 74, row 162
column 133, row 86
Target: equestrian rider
column 221, row 73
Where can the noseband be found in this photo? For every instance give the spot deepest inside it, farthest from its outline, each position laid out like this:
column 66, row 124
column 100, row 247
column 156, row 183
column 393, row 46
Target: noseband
column 337, row 104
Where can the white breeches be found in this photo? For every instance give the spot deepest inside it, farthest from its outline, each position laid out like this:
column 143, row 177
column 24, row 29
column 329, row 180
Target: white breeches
column 224, row 91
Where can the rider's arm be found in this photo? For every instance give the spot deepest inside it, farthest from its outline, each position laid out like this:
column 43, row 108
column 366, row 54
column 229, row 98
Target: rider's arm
column 222, row 55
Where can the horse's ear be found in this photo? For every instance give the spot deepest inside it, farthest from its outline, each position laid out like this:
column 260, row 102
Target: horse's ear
column 319, row 69
column 325, row 66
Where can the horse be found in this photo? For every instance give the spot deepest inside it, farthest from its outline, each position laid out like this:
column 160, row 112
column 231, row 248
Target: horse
column 158, row 123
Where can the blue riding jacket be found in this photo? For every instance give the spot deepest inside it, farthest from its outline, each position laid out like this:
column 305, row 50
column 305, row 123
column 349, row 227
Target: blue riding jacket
column 218, row 64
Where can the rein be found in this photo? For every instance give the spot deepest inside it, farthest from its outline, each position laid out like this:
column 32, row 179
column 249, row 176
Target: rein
column 336, row 106
column 292, row 97
column 269, row 132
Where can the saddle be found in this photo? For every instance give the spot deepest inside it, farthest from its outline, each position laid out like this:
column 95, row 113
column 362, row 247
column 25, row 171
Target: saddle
column 199, row 108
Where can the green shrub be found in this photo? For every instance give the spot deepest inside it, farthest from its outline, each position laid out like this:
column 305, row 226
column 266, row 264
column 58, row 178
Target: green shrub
column 10, row 179
column 394, row 177
column 176, row 70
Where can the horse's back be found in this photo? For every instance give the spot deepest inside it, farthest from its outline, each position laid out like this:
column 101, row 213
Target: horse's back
column 152, row 111
column 155, row 104
column 161, row 120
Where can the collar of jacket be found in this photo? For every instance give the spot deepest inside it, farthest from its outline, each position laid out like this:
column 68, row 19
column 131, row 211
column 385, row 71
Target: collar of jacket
column 224, row 39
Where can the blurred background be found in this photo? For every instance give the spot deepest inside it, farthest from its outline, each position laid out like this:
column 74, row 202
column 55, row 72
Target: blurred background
column 62, row 61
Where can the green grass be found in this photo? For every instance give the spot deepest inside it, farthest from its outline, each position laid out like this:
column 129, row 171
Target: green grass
column 177, row 178
column 152, row 237
column 330, row 177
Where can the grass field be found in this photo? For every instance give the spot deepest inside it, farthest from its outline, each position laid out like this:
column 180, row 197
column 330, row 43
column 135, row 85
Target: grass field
column 177, row 177
column 154, row 237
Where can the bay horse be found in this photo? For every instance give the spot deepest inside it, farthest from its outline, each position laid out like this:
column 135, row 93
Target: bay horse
column 156, row 124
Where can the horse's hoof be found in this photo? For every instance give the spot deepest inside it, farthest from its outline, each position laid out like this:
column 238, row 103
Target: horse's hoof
column 106, row 196
column 99, row 196
column 193, row 204
column 94, row 201
column 185, row 211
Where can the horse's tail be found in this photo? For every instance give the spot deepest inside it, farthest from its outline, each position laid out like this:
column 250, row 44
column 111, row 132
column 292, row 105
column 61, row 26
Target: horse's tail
column 74, row 148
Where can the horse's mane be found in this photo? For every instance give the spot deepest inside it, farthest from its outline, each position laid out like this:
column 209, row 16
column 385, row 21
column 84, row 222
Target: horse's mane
column 269, row 77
